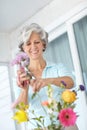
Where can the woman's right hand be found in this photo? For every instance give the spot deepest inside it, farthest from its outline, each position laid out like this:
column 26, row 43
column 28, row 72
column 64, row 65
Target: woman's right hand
column 22, row 79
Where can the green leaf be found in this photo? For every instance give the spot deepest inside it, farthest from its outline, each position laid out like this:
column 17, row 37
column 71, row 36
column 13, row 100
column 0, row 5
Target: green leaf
column 39, row 127
column 59, row 106
column 22, row 104
column 18, row 107
column 33, row 96
column 41, row 117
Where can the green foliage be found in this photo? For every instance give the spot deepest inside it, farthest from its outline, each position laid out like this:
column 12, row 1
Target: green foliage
column 33, row 96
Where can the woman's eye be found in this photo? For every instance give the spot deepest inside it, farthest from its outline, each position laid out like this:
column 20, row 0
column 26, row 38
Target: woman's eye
column 28, row 43
column 37, row 42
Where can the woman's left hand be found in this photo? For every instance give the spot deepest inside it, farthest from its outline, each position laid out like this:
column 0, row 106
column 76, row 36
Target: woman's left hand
column 37, row 84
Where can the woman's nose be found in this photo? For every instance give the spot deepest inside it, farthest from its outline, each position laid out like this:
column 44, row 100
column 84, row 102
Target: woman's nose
column 33, row 46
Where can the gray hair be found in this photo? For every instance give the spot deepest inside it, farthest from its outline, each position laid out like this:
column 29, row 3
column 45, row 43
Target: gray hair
column 27, row 31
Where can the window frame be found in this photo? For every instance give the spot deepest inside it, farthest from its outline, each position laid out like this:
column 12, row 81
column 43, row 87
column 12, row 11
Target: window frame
column 65, row 24
column 60, row 26
column 10, row 84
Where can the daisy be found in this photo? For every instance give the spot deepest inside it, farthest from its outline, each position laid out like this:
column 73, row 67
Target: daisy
column 67, row 117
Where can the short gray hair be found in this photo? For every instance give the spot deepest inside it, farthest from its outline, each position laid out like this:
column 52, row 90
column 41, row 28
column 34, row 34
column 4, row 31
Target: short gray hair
column 27, row 31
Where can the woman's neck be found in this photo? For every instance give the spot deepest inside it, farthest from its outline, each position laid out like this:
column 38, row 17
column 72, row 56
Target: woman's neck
column 37, row 64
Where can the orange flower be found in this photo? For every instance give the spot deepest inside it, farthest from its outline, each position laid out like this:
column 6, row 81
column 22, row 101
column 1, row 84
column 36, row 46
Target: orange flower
column 45, row 103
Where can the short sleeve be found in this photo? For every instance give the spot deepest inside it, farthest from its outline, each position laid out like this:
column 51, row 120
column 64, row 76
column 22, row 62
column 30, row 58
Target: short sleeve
column 64, row 71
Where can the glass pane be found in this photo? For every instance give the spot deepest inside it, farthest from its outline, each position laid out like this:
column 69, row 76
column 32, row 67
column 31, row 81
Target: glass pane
column 59, row 51
column 80, row 29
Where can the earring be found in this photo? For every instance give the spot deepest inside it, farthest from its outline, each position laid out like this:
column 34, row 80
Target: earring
column 43, row 49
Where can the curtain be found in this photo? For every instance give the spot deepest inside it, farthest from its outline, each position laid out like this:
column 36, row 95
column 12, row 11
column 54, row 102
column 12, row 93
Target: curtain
column 58, row 50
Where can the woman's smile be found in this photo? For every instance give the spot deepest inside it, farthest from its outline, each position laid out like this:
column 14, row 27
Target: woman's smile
column 34, row 51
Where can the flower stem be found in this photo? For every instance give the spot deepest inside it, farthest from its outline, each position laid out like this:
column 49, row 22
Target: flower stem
column 41, row 103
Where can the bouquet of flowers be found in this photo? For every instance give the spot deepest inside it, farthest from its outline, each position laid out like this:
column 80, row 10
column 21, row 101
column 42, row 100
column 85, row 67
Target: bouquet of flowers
column 61, row 111
column 21, row 61
column 64, row 109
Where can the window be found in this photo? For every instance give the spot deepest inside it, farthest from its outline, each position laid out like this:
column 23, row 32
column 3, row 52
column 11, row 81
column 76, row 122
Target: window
column 59, row 51
column 80, row 29
column 6, row 123
column 70, row 33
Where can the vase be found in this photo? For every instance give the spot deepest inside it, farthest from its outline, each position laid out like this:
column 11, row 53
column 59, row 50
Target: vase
column 51, row 129
column 67, row 128
column 74, row 127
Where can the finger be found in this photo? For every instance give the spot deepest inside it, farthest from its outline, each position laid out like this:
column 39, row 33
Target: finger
column 23, row 84
column 32, row 81
column 37, row 86
column 21, row 70
column 19, row 84
column 18, row 72
column 23, row 77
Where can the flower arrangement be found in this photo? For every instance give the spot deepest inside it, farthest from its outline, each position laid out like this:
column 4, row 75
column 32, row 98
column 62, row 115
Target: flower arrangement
column 61, row 111
column 64, row 109
column 21, row 60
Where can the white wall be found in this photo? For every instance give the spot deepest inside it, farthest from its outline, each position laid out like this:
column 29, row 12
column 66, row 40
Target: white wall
column 5, row 52
column 48, row 15
column 53, row 11
column 44, row 17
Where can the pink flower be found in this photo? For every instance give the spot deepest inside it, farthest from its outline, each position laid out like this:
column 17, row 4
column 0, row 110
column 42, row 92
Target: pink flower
column 21, row 58
column 67, row 117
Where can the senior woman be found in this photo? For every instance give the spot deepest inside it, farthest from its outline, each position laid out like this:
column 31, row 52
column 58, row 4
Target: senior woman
column 34, row 42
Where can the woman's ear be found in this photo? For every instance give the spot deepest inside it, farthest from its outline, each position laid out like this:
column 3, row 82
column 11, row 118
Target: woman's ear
column 44, row 46
column 23, row 47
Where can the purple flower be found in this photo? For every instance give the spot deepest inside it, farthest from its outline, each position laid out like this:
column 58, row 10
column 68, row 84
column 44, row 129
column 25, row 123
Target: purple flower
column 64, row 83
column 21, row 58
column 82, row 87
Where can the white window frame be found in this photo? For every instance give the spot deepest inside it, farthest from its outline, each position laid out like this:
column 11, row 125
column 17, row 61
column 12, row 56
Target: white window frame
column 11, row 84
column 65, row 24
column 9, row 75
column 59, row 27
column 77, row 66
column 72, row 41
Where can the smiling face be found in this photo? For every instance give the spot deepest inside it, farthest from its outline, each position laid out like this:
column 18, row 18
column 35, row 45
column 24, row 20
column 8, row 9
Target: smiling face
column 34, row 46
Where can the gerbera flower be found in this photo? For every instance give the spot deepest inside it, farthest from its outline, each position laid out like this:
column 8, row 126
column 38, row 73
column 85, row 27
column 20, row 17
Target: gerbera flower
column 67, row 117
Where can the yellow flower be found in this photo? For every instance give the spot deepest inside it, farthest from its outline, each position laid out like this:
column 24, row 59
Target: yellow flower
column 68, row 96
column 20, row 116
column 22, row 106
